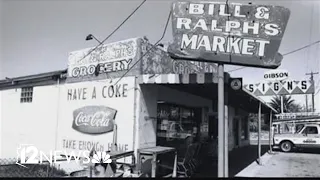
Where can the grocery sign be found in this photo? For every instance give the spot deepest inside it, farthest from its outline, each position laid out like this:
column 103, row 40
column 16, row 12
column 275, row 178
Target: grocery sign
column 248, row 35
column 108, row 60
column 287, row 87
column 276, row 75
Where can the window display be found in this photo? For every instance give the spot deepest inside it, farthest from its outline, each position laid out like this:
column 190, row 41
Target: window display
column 176, row 123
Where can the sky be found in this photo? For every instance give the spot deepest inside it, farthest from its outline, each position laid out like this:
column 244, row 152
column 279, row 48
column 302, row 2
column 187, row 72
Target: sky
column 37, row 35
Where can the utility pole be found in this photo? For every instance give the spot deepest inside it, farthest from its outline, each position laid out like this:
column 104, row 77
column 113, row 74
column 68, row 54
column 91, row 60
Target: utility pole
column 312, row 81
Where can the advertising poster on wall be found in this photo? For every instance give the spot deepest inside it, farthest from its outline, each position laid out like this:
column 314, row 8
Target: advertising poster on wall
column 88, row 112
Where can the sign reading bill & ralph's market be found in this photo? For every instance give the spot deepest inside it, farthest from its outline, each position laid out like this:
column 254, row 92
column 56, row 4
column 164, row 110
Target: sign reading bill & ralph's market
column 248, row 35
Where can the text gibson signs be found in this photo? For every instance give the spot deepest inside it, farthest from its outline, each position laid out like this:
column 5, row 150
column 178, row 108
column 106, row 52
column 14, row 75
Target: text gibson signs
column 287, row 87
column 248, row 35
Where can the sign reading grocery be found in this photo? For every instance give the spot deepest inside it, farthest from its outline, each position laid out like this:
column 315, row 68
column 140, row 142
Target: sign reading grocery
column 248, row 35
column 281, row 88
column 109, row 58
column 276, row 75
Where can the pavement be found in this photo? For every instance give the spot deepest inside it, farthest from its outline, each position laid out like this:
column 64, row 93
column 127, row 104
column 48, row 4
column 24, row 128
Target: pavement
column 279, row 164
column 239, row 159
column 263, row 142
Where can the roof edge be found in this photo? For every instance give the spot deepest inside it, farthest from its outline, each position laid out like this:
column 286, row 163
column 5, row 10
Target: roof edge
column 60, row 74
column 259, row 99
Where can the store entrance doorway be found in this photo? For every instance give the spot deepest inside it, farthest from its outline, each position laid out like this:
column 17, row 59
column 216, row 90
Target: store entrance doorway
column 213, row 127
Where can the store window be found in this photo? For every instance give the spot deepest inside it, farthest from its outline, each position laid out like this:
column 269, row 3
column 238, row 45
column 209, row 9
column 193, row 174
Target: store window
column 310, row 130
column 175, row 123
column 26, row 95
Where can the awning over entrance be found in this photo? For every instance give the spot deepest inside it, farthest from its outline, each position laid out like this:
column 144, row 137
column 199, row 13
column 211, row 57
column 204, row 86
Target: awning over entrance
column 205, row 85
column 203, row 78
column 265, row 106
column 249, row 102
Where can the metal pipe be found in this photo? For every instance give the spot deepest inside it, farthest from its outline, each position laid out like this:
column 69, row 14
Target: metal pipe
column 220, row 121
column 281, row 98
column 270, row 132
column 226, row 149
column 58, row 110
column 259, row 134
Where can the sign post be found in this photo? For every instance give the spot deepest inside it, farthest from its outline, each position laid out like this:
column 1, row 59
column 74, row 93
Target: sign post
column 221, row 133
column 281, row 98
column 227, row 33
column 270, row 132
column 259, row 134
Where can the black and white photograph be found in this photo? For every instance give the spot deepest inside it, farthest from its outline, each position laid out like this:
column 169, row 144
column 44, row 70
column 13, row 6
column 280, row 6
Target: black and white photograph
column 159, row 89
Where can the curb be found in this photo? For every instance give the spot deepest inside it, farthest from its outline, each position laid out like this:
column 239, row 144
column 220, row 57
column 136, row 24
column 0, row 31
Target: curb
column 254, row 167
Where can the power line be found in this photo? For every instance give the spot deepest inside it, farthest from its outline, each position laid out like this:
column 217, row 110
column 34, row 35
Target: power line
column 236, row 69
column 317, row 92
column 284, row 54
column 95, row 48
column 153, row 47
column 301, row 48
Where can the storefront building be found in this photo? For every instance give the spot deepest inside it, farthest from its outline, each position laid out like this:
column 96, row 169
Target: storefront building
column 160, row 101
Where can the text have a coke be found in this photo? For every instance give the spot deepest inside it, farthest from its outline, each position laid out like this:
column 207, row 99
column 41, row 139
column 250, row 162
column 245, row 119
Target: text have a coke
column 110, row 91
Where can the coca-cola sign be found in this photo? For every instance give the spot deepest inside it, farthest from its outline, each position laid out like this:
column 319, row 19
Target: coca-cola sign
column 94, row 119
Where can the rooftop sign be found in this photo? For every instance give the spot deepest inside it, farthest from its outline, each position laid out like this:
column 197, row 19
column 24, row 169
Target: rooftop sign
column 112, row 59
column 286, row 87
column 115, row 59
column 248, row 35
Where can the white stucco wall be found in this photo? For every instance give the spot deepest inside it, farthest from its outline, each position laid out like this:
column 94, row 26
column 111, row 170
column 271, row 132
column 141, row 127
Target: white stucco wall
column 36, row 122
column 48, row 119
column 29, row 123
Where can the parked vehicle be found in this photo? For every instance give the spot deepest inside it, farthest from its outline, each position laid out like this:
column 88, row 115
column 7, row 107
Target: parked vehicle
column 307, row 137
